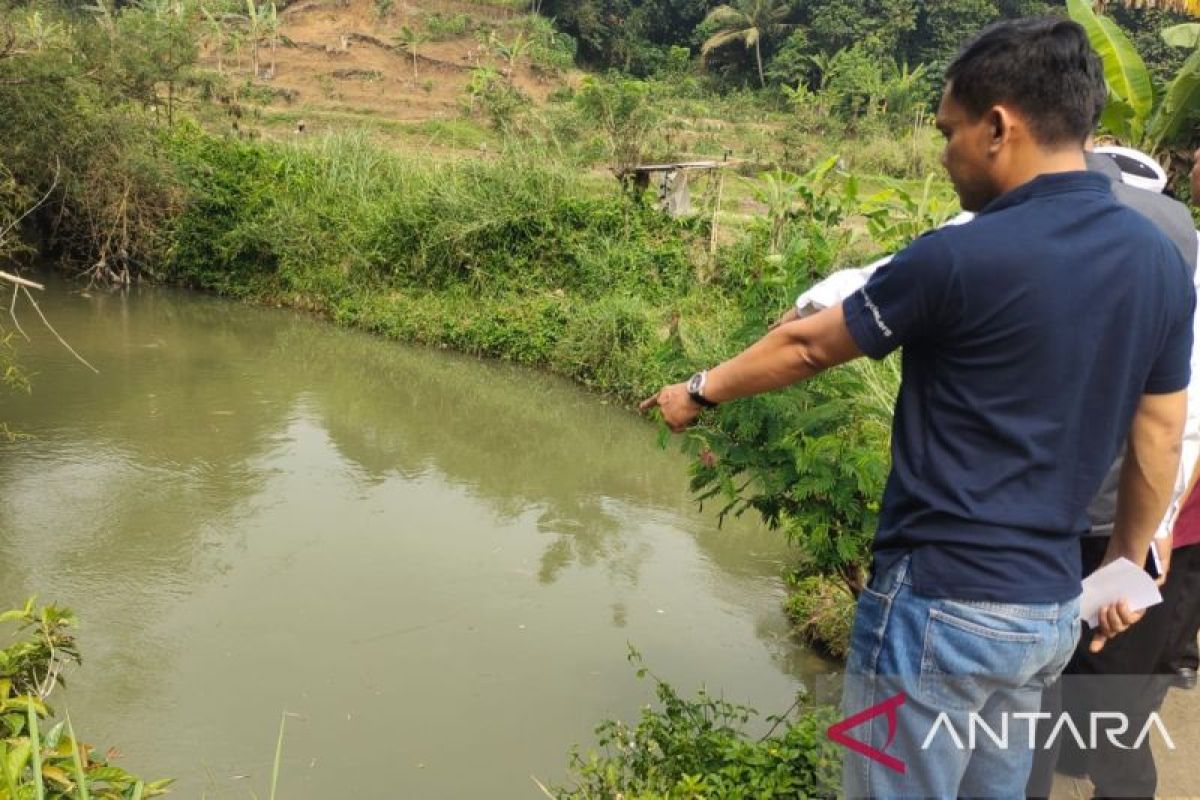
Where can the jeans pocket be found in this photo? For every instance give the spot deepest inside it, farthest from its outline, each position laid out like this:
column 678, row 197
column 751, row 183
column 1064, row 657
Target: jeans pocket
column 969, row 654
column 875, row 595
column 1069, row 633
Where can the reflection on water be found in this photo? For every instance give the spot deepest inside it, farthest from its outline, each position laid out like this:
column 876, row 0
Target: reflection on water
column 435, row 562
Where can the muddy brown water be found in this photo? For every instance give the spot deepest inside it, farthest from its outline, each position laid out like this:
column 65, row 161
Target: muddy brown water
column 433, row 564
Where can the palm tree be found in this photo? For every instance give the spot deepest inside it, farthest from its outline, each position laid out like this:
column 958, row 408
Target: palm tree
column 748, row 22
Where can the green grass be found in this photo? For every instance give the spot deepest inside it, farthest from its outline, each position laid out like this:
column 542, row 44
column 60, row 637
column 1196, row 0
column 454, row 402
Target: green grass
column 513, row 258
column 461, row 133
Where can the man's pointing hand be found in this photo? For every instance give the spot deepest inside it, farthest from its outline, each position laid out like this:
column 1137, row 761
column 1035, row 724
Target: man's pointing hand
column 678, row 409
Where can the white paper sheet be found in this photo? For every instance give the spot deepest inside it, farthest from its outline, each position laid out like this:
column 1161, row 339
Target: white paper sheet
column 1120, row 580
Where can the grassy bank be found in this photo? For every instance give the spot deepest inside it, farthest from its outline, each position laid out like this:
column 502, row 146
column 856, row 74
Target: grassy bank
column 513, row 258
column 520, row 259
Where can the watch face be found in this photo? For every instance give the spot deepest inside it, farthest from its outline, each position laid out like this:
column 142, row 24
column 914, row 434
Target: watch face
column 695, row 384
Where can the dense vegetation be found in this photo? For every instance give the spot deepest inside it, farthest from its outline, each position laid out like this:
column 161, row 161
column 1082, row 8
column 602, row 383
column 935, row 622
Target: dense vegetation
column 120, row 118
column 50, row 763
column 690, row 749
column 797, row 38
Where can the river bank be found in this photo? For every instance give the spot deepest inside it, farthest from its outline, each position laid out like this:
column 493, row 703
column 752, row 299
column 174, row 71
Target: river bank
column 416, row 553
column 526, row 261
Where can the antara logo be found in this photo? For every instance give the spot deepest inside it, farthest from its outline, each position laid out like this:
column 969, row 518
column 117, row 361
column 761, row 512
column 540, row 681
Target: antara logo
column 1114, row 726
column 889, row 707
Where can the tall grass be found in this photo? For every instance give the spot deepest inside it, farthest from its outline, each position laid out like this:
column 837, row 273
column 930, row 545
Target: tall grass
column 35, row 742
column 515, row 258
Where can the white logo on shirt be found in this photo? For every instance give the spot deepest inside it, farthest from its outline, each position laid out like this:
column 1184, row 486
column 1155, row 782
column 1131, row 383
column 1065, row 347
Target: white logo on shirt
column 874, row 309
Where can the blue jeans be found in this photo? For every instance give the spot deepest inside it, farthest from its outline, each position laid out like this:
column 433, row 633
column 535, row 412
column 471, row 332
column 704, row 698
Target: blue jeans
column 955, row 673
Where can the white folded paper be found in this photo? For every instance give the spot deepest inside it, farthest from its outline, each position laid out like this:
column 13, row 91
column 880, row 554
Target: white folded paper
column 1114, row 582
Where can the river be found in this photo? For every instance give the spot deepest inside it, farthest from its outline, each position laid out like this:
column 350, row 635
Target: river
column 433, row 564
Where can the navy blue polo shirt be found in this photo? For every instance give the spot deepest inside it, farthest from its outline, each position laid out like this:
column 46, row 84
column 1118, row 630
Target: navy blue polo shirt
column 1029, row 336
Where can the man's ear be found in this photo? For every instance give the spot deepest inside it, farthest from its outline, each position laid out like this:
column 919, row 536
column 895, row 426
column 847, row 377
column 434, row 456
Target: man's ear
column 999, row 122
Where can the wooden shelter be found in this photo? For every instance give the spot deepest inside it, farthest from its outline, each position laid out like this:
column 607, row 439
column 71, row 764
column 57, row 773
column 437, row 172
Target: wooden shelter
column 671, row 181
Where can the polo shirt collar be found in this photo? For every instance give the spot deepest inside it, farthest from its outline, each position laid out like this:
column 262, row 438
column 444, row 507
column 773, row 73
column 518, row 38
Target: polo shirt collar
column 1050, row 184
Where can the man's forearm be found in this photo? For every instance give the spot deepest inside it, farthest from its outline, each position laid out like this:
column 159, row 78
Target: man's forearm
column 790, row 353
column 1147, row 476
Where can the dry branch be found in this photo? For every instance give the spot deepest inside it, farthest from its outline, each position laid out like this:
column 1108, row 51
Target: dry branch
column 19, row 281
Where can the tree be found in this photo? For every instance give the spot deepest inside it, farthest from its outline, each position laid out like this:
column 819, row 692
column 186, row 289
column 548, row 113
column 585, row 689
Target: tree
column 624, row 110
column 213, row 35
column 261, row 21
column 254, row 31
column 943, row 27
column 748, row 22
column 632, row 35
column 882, row 26
column 411, row 41
column 158, row 49
column 270, row 25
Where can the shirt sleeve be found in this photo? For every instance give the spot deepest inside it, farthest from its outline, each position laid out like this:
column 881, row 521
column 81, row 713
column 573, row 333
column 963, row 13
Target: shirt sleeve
column 1172, row 370
column 836, row 288
column 904, row 300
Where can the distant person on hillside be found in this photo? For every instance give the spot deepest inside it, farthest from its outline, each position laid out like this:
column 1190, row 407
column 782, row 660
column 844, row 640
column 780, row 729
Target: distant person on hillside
column 1035, row 338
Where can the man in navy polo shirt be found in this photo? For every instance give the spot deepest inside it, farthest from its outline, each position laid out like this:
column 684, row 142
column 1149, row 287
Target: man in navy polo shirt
column 1034, row 339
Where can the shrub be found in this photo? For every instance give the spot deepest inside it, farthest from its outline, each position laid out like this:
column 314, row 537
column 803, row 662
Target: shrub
column 693, row 748
column 811, row 460
column 822, row 611
column 624, row 110
column 911, row 154
column 493, row 95
column 52, row 763
column 447, row 26
column 550, row 50
column 604, row 343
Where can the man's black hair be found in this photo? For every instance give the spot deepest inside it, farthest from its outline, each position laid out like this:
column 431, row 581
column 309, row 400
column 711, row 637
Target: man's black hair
column 1044, row 67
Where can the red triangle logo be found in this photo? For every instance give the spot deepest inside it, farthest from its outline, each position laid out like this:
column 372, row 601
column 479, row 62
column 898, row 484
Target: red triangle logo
column 890, row 707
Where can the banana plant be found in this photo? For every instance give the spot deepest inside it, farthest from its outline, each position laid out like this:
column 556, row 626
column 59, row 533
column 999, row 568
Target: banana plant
column 1183, row 94
column 511, row 52
column 1134, row 114
column 1131, row 92
column 254, row 27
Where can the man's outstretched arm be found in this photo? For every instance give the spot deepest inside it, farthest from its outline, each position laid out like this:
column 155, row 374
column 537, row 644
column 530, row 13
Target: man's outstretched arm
column 1147, row 482
column 790, row 353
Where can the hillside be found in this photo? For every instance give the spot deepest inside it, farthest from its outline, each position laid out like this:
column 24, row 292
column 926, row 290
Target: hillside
column 338, row 62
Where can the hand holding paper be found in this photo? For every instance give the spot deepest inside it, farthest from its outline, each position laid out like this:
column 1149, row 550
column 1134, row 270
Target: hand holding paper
column 1118, row 581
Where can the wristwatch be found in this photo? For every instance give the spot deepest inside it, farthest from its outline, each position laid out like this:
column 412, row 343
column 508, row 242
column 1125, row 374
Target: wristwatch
column 695, row 390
